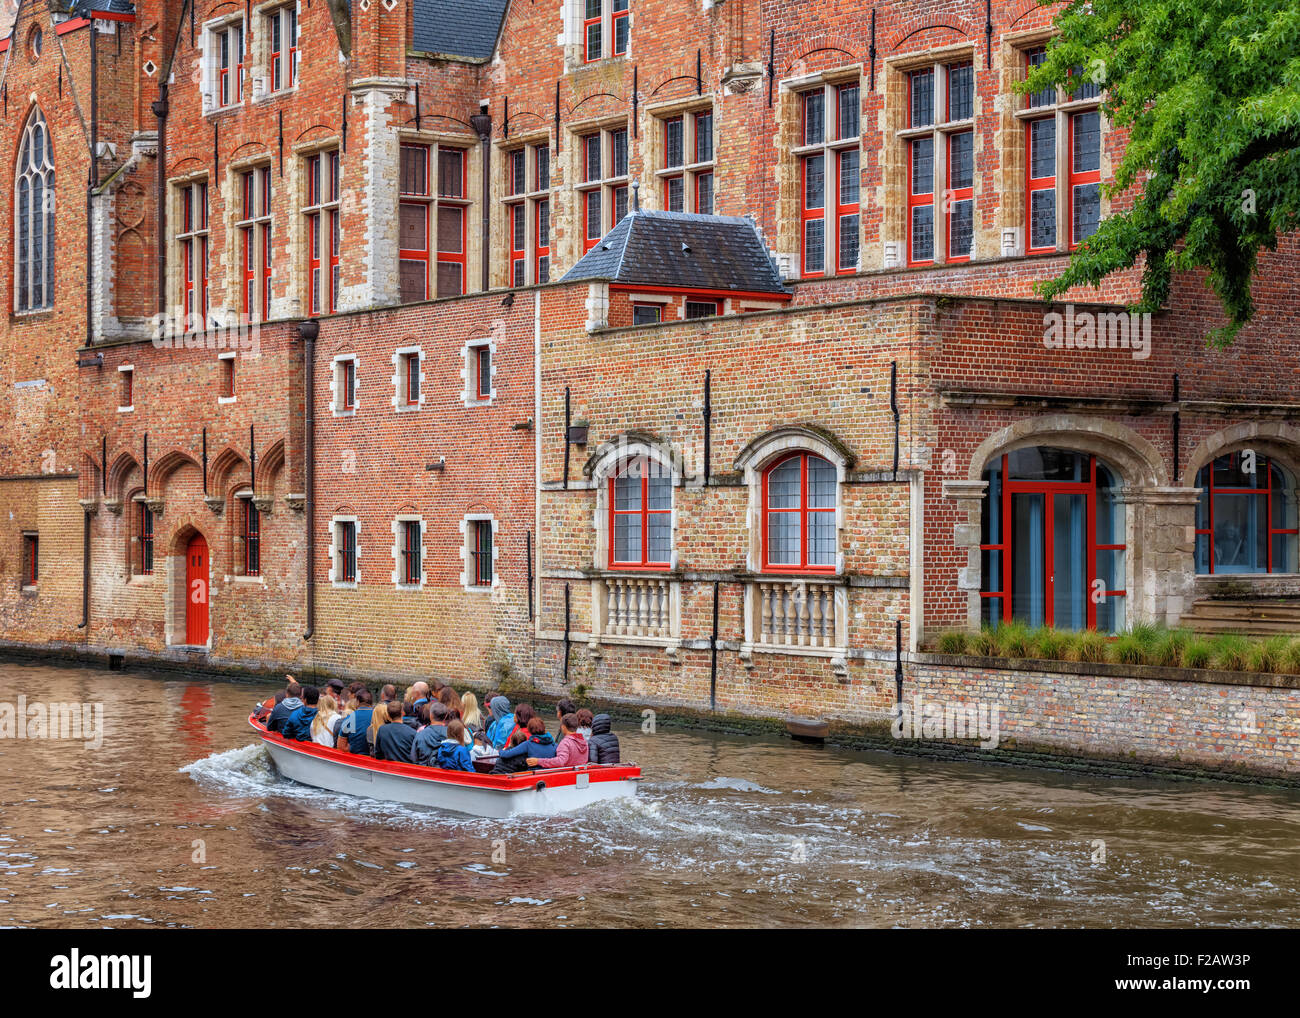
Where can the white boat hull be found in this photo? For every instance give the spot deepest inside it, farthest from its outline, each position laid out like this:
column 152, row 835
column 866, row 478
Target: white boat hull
column 539, row 792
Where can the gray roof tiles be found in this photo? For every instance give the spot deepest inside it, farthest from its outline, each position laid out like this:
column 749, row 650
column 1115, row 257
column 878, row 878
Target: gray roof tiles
column 462, row 28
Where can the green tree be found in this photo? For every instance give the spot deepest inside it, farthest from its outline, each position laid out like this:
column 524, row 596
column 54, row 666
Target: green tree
column 1210, row 93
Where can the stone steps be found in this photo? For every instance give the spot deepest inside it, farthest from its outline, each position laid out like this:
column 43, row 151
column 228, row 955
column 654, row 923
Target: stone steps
column 1256, row 616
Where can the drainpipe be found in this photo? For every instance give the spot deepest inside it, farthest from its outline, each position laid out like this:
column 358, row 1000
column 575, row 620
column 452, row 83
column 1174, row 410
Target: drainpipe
column 482, row 124
column 308, row 330
column 159, row 108
column 94, row 183
column 85, row 571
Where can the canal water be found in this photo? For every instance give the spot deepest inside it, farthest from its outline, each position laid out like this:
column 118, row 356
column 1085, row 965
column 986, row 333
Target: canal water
column 179, row 819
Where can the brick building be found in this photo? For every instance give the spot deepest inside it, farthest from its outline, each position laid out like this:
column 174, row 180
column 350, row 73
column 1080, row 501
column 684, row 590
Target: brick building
column 687, row 350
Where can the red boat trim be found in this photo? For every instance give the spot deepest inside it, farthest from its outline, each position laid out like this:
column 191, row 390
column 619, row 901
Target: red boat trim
column 555, row 777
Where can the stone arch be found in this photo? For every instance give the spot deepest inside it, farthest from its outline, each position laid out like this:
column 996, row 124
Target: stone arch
column 174, row 573
column 124, row 464
column 609, row 460
column 1138, row 461
column 224, row 467
column 166, row 465
column 269, row 464
column 1276, row 439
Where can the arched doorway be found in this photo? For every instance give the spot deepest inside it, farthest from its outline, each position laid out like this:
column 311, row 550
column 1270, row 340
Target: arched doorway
column 1052, row 541
column 196, row 591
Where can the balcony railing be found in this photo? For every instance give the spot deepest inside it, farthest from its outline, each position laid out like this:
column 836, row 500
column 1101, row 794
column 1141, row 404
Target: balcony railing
column 795, row 614
column 636, row 607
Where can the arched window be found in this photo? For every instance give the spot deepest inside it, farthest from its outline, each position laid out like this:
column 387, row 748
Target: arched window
column 1246, row 520
column 34, row 218
column 799, row 514
column 641, row 516
column 1053, row 541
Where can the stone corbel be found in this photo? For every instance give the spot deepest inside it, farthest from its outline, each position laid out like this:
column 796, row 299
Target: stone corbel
column 155, row 505
column 295, row 501
column 840, row 666
column 673, row 652
column 216, row 503
column 747, row 655
column 113, row 505
column 264, row 503
column 89, row 505
column 740, row 78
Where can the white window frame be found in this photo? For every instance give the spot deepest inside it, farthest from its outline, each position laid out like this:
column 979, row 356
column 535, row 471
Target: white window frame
column 336, row 386
column 467, row 556
column 396, row 550
column 336, row 550
column 469, row 373
column 211, row 62
column 400, row 402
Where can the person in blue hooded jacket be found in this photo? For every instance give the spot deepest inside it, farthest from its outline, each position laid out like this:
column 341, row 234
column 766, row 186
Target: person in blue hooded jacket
column 538, row 743
column 298, row 727
column 453, row 754
column 503, row 720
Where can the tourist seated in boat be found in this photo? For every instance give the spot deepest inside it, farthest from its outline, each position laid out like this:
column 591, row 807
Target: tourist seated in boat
column 470, row 714
column 424, row 750
column 325, row 721
column 562, row 708
column 378, row 719
column 298, row 727
column 291, row 702
column 572, row 749
column 453, row 754
column 534, row 741
column 584, row 723
column 352, row 731
column 388, row 693
column 481, row 748
column 501, row 721
column 450, row 699
column 262, row 712
column 602, row 744
column 417, row 693
column 393, row 741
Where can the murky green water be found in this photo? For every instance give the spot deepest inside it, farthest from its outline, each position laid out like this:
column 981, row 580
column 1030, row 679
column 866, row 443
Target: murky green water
column 179, row 819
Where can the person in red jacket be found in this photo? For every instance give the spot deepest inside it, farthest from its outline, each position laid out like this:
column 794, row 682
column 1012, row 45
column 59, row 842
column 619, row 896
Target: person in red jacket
column 572, row 750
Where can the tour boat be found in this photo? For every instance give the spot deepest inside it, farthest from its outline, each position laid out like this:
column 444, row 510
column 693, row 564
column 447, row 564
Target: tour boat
column 544, row 791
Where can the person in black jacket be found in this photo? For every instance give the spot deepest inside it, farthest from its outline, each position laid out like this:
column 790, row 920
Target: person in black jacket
column 291, row 702
column 393, row 741
column 603, row 746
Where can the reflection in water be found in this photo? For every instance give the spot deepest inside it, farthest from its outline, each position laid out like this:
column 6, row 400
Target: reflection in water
column 181, row 819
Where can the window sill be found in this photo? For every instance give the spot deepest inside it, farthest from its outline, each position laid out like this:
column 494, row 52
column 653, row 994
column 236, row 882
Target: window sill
column 256, row 581
column 30, row 590
column 478, row 588
column 345, row 413
column 126, row 409
column 776, row 648
column 409, row 408
column 32, row 313
column 140, row 579
column 345, row 585
column 223, row 400
column 412, row 587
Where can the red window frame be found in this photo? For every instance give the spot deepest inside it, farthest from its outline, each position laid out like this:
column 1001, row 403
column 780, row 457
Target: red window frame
column 411, row 552
column 323, row 253
column 482, row 368
column 542, row 250
column 620, row 14
column 252, row 521
column 915, row 200
column 1033, row 184
column 421, row 255
column 802, row 511
column 247, row 245
column 807, row 215
column 284, row 21
column 588, row 242
column 347, row 551
column 481, row 553
column 412, row 378
column 587, row 24
column 644, row 466
column 194, row 252
column 453, row 201
column 957, row 194
column 518, row 232
column 223, row 65
column 843, row 208
column 1267, row 491
column 1073, row 179
column 677, row 178
column 146, row 540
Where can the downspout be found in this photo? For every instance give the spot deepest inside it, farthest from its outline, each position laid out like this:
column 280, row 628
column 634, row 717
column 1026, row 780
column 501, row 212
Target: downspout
column 482, row 124
column 160, row 111
column 93, row 184
column 85, row 571
column 308, row 330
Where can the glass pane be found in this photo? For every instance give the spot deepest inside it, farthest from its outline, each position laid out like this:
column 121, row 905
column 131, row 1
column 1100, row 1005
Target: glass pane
column 814, row 117
column 451, row 234
column 591, row 149
column 923, row 166
column 627, row 490
column 1240, row 534
column 1069, row 562
column 1110, row 614
column 704, row 194
column 704, row 137
column 991, row 571
column 821, row 483
column 961, row 92
column 627, row 537
column 783, row 539
column 1087, row 211
column 1042, row 148
column 1029, row 574
column 618, row 150
column 676, row 195
column 849, row 113
column 1284, row 553
column 850, row 178
column 783, row 485
column 1087, row 142
column 991, row 507
column 673, row 142
column 414, row 225
column 1048, row 95
column 922, row 233
column 412, row 280
column 1042, row 219
column 814, row 187
column 451, row 173
column 821, row 539
column 814, row 245
column 1237, row 471
column 848, row 242
column 961, row 229
column 593, row 215
column 661, row 491
column 922, row 110
column 990, row 611
column 415, row 169
column 961, row 160
column 1043, row 463
column 660, row 537
column 449, row 279
column 1110, row 569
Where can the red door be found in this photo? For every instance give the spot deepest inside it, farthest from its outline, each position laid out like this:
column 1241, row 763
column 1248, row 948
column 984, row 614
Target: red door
column 196, row 591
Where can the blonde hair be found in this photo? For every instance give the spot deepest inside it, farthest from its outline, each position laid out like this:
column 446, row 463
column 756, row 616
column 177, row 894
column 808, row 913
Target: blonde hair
column 470, row 713
column 378, row 719
column 325, row 711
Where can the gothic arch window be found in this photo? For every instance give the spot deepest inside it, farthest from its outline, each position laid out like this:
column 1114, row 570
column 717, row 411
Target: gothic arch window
column 1247, row 519
column 34, row 218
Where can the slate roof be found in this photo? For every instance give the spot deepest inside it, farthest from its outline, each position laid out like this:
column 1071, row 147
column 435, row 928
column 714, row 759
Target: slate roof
column 461, row 28
column 684, row 250
column 81, row 8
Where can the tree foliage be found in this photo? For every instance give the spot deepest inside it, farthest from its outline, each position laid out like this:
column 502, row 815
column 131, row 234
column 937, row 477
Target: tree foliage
column 1209, row 91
